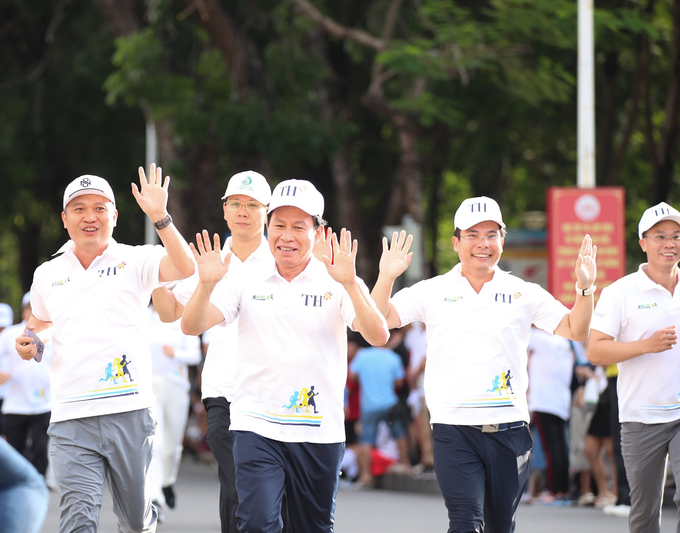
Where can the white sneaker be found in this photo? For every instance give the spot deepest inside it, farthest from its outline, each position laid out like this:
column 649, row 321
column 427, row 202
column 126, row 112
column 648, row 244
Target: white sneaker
column 622, row 511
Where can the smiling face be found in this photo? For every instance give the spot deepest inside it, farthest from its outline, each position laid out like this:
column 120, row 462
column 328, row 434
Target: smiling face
column 291, row 239
column 661, row 254
column 245, row 225
column 89, row 220
column 479, row 248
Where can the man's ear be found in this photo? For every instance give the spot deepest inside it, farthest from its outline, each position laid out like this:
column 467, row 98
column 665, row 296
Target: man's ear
column 455, row 242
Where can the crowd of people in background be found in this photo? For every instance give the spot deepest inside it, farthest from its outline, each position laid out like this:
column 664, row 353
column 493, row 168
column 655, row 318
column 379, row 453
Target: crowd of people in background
column 420, row 386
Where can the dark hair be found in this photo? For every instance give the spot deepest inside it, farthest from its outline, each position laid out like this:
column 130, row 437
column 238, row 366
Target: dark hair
column 318, row 221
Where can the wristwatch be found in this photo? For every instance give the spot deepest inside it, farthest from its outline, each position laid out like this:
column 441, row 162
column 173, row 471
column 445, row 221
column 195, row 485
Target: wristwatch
column 163, row 222
column 585, row 292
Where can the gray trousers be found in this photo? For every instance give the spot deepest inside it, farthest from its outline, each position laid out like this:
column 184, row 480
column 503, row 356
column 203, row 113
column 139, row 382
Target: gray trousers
column 646, row 448
column 117, row 449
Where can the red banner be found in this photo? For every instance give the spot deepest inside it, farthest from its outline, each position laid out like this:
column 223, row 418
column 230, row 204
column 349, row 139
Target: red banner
column 572, row 213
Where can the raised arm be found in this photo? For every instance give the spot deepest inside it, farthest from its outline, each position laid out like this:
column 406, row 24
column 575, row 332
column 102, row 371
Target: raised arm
column 576, row 324
column 604, row 350
column 394, row 261
column 199, row 314
column 368, row 321
column 152, row 197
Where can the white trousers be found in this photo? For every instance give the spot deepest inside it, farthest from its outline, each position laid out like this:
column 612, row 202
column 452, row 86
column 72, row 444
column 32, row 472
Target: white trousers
column 171, row 411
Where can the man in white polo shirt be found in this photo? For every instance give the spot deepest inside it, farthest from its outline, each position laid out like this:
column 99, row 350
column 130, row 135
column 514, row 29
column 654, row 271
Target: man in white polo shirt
column 95, row 295
column 287, row 416
column 635, row 326
column 245, row 209
column 478, row 321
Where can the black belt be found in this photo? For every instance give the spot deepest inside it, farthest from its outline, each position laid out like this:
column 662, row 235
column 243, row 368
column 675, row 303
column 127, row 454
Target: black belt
column 495, row 428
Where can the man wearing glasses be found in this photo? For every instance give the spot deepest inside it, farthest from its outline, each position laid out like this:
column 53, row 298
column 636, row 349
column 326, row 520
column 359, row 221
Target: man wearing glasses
column 634, row 326
column 478, row 321
column 245, row 208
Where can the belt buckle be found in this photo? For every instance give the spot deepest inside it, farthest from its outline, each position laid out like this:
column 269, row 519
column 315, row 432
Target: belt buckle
column 490, row 428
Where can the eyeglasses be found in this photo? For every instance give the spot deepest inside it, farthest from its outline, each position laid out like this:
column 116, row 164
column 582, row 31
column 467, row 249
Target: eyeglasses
column 473, row 237
column 662, row 238
column 235, row 205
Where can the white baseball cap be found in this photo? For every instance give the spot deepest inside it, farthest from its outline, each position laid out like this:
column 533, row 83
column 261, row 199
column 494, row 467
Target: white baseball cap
column 6, row 316
column 656, row 214
column 298, row 193
column 88, row 184
column 475, row 210
column 249, row 183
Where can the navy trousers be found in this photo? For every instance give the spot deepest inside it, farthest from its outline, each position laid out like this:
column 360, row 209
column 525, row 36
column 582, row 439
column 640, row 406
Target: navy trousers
column 481, row 475
column 307, row 472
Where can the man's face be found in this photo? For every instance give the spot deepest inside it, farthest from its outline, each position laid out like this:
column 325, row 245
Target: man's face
column 661, row 251
column 244, row 224
column 291, row 237
column 480, row 246
column 89, row 220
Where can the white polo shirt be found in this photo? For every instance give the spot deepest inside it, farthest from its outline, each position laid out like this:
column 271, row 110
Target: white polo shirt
column 551, row 366
column 28, row 389
column 217, row 377
column 291, row 353
column 187, row 351
column 100, row 319
column 475, row 341
column 631, row 309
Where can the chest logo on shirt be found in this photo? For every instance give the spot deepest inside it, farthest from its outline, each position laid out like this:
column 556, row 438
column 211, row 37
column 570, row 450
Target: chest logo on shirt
column 263, row 297
column 316, row 300
column 111, row 271
column 647, row 306
column 506, row 298
column 453, row 299
column 61, row 282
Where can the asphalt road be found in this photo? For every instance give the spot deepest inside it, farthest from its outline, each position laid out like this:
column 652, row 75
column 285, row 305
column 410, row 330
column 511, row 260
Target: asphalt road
column 372, row 511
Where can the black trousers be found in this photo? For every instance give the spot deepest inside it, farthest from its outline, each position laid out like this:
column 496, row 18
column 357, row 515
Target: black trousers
column 481, row 475
column 615, row 426
column 19, row 428
column 221, row 445
column 551, row 429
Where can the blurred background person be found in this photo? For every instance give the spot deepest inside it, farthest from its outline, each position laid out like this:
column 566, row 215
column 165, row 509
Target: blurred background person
column 415, row 340
column 172, row 352
column 550, row 367
column 27, row 406
column 23, row 493
column 6, row 320
column 380, row 373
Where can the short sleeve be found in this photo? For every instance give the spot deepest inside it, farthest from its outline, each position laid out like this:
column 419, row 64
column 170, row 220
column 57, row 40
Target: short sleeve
column 607, row 317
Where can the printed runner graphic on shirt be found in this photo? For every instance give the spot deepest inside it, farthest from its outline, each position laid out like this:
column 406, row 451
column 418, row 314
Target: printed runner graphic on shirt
column 302, row 410
column 113, row 372
column 501, row 384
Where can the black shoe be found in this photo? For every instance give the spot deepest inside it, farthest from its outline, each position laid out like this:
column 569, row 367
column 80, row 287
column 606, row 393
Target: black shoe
column 169, row 494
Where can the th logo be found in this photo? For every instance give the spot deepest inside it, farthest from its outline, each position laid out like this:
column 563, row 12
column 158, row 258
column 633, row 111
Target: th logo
column 503, row 298
column 312, row 300
column 479, row 207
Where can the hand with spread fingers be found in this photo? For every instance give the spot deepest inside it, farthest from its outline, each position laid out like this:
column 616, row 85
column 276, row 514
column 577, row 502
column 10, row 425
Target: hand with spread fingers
column 211, row 267
column 323, row 247
column 344, row 252
column 396, row 258
column 586, row 267
column 152, row 194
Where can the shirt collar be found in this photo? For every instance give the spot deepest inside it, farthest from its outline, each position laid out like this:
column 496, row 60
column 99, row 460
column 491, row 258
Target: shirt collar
column 69, row 246
column 644, row 281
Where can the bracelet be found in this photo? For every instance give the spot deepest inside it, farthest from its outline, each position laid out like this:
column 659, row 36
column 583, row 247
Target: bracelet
column 585, row 292
column 163, row 222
